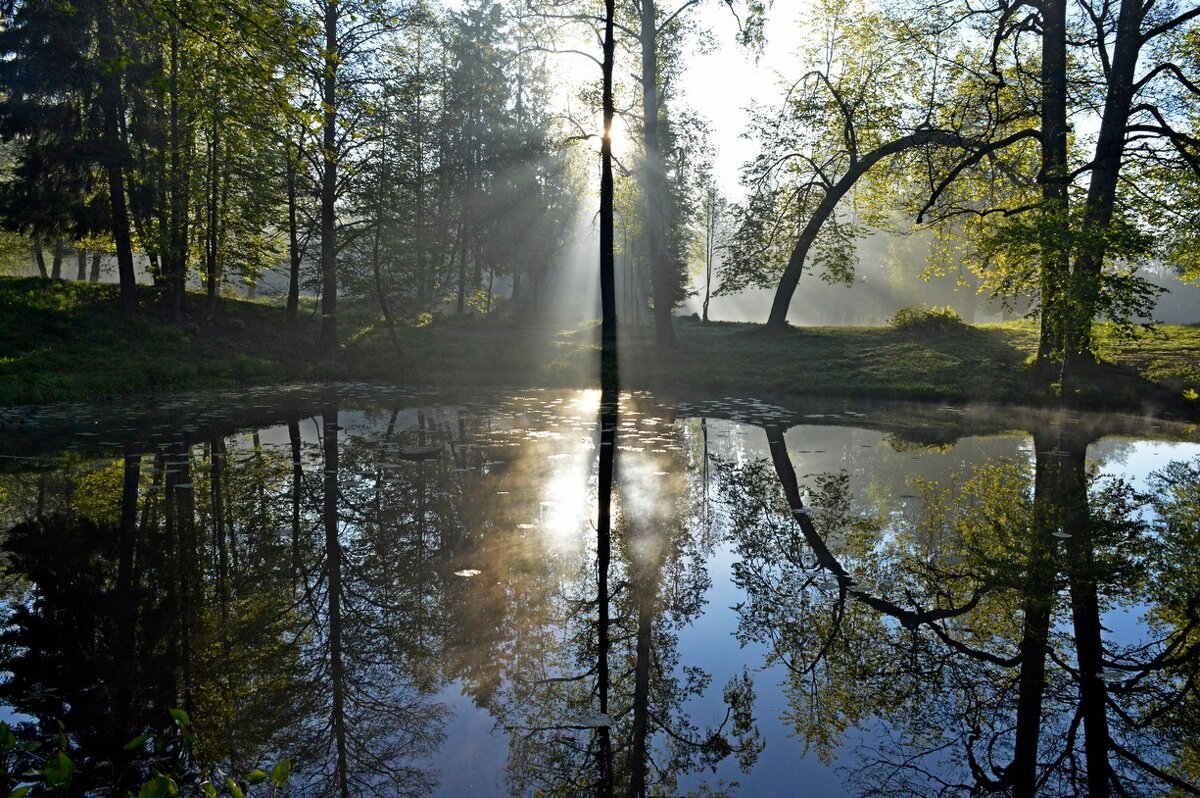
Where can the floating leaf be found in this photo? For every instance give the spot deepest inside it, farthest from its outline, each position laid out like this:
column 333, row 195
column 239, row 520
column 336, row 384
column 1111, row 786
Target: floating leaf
column 281, row 773
column 136, row 742
column 159, row 787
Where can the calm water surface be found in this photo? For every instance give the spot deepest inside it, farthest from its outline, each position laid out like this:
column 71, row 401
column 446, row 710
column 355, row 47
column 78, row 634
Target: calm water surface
column 399, row 592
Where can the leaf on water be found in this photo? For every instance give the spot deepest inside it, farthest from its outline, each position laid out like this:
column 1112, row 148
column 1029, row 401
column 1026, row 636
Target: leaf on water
column 467, row 573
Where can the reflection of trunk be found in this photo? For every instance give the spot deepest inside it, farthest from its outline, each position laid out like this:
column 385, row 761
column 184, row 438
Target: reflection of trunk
column 786, row 473
column 129, row 504
column 1071, row 498
column 1038, row 598
column 333, row 587
column 608, row 441
column 182, row 545
column 217, row 454
column 644, row 591
column 297, row 481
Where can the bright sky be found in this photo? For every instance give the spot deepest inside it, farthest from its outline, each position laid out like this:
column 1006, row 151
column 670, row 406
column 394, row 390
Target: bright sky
column 719, row 84
column 722, row 83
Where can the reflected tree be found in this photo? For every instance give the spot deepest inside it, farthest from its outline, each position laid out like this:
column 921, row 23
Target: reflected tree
column 942, row 633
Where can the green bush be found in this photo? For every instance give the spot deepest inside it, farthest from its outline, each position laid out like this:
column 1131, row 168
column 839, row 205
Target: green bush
column 927, row 319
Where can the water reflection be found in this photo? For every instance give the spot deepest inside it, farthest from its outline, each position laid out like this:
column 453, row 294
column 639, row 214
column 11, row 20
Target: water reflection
column 974, row 629
column 321, row 581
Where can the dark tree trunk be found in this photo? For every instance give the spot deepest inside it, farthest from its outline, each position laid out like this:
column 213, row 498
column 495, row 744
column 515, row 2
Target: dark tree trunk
column 333, row 586
column 114, row 154
column 297, row 485
column 833, row 195
column 212, row 265
column 1054, row 180
column 293, row 295
column 94, row 277
column 1102, row 191
column 81, row 261
column 1072, row 499
column 56, row 269
column 329, row 176
column 40, row 259
column 609, row 398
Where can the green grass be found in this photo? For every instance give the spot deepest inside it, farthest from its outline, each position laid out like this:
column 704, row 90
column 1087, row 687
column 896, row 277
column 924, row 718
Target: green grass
column 66, row 341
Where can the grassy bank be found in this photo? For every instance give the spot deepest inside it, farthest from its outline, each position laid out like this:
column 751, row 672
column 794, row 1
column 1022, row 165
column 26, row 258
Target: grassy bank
column 65, row 341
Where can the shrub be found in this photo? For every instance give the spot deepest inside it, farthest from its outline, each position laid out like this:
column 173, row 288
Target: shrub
column 923, row 318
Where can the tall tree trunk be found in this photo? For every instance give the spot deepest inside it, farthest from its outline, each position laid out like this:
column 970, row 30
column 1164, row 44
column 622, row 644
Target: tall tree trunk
column 609, row 398
column 293, row 295
column 39, row 258
column 1055, row 181
column 1102, row 191
column 94, row 277
column 212, row 270
column 710, row 246
column 654, row 184
column 56, row 270
column 462, row 264
column 329, row 99
column 114, row 153
column 175, row 260
column 81, row 261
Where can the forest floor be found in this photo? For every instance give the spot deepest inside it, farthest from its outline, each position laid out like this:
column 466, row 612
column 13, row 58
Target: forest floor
column 67, row 341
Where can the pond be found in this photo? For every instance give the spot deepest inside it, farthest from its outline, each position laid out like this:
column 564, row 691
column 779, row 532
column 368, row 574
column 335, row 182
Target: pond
column 408, row 593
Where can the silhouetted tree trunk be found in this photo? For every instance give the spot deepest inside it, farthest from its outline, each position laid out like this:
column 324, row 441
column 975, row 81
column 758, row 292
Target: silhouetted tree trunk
column 94, row 277
column 56, row 271
column 293, row 295
column 1102, row 190
column 329, row 177
column 114, row 155
column 81, row 261
column 39, row 258
column 1055, row 180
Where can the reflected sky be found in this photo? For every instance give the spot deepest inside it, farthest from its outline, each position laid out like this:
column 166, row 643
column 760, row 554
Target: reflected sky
column 467, row 541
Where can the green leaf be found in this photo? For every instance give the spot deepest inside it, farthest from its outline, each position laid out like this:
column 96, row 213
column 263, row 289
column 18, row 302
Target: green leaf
column 136, row 742
column 58, row 771
column 256, row 776
column 8, row 740
column 281, row 773
column 158, row 787
column 208, row 788
column 20, row 792
column 181, row 718
column 234, row 789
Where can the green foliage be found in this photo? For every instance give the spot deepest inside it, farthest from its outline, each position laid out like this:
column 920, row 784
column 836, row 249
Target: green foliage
column 926, row 319
column 57, row 769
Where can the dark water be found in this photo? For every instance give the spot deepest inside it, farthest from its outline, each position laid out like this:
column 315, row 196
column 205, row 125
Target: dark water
column 399, row 592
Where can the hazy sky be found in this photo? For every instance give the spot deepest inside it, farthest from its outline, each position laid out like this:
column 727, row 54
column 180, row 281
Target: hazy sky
column 720, row 84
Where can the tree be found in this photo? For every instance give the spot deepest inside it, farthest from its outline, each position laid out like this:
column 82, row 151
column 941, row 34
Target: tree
column 64, row 102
